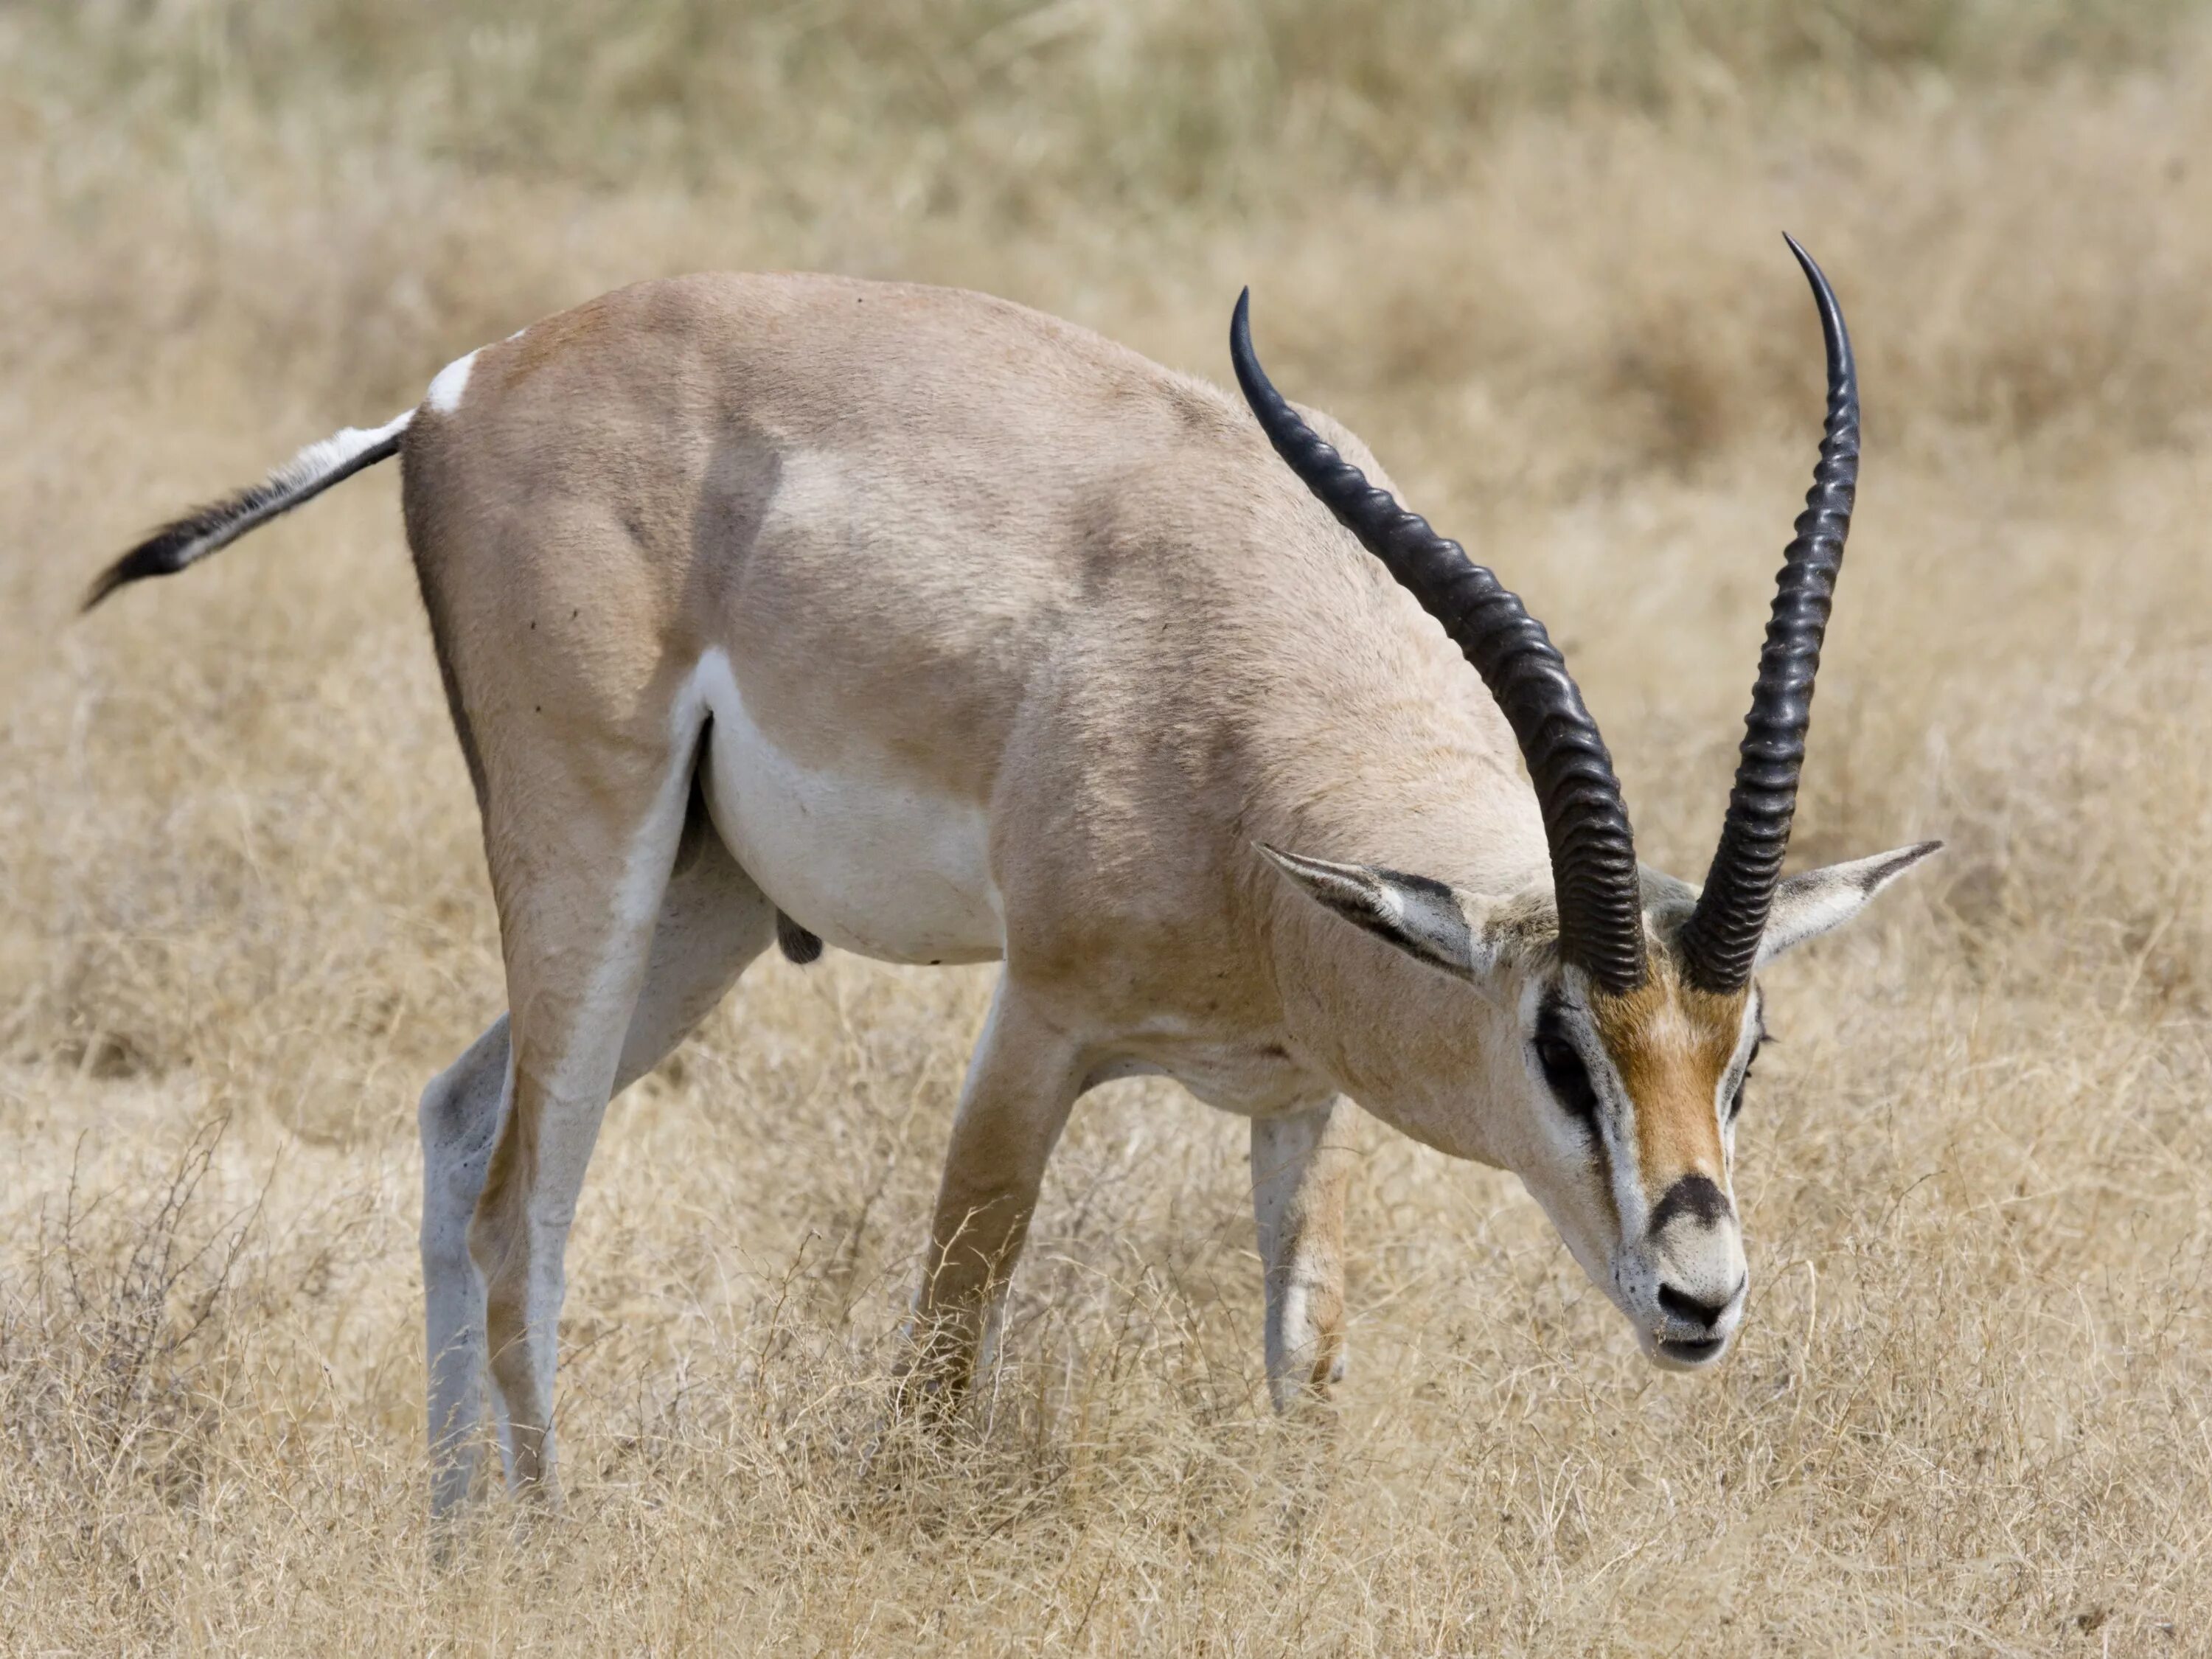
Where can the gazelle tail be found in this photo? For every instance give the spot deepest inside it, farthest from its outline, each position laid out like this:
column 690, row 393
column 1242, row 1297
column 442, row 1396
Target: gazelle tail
column 187, row 540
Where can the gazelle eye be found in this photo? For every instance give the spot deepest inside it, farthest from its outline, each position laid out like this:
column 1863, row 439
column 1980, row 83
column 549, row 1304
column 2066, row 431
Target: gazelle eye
column 1568, row 1079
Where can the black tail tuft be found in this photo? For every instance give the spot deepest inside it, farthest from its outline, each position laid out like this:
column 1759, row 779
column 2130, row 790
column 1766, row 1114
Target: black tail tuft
column 202, row 530
column 798, row 945
column 177, row 543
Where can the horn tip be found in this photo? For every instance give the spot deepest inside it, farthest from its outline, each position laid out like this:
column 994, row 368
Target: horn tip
column 1834, row 331
column 1810, row 265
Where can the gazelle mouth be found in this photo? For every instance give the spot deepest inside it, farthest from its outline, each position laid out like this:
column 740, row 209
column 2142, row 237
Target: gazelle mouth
column 1694, row 1351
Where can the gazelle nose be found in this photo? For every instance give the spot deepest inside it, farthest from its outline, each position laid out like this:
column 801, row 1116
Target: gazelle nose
column 1695, row 1310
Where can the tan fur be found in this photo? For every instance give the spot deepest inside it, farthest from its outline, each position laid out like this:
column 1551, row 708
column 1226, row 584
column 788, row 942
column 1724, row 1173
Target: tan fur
column 1672, row 1043
column 991, row 555
column 959, row 562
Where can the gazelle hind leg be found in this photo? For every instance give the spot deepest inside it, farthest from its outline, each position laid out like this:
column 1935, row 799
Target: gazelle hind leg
column 714, row 922
column 1301, row 1166
column 581, row 850
column 459, row 1119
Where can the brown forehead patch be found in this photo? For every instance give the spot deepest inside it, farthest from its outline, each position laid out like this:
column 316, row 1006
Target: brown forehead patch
column 1671, row 1043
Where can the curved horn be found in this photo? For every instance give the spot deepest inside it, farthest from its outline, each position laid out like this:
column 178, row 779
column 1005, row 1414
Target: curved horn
column 1720, row 941
column 1585, row 821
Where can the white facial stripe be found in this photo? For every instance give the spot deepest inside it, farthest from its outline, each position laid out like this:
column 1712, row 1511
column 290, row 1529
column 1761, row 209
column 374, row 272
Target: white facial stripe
column 1623, row 1161
column 450, row 384
column 1616, row 1129
column 1746, row 1043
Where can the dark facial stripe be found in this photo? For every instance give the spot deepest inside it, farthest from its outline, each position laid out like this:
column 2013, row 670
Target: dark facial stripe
column 1566, row 1072
column 1694, row 1196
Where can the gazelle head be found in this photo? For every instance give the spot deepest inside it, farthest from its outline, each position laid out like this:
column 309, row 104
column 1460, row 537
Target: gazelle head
column 1627, row 997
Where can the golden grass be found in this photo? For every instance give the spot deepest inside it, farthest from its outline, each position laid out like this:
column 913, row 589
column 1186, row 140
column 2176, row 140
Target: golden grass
column 1530, row 252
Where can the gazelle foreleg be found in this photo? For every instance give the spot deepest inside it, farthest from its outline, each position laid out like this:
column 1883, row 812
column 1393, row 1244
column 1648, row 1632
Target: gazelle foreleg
column 714, row 921
column 1302, row 1164
column 1025, row 1076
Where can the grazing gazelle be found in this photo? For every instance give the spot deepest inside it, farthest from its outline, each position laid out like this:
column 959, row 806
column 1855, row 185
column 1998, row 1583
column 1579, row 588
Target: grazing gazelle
column 946, row 632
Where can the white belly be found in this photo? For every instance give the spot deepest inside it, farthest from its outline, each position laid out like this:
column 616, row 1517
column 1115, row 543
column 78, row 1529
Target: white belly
column 864, row 858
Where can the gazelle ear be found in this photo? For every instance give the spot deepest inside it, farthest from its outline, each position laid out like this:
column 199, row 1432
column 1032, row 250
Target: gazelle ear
column 1422, row 917
column 1809, row 905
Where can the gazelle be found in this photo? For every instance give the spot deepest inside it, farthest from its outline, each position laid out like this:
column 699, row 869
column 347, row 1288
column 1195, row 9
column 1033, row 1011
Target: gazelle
column 933, row 627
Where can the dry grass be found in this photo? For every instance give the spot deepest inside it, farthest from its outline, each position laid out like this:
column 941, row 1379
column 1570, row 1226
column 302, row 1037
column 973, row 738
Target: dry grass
column 1531, row 251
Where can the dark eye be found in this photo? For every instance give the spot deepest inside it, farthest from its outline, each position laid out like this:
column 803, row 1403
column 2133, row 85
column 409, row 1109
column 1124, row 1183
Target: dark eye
column 1568, row 1079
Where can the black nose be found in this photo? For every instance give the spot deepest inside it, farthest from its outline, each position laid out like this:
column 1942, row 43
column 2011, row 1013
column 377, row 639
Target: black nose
column 1684, row 1306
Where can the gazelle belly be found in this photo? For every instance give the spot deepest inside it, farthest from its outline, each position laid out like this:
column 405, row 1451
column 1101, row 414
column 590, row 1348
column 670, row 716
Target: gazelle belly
column 858, row 855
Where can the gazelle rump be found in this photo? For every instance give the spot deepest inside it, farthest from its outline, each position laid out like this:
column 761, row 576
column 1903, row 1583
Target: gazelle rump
column 941, row 631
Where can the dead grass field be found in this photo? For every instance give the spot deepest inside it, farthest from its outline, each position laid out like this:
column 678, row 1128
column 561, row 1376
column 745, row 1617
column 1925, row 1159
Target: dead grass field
column 1531, row 252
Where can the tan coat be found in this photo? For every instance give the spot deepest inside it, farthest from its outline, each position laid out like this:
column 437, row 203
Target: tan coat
column 985, row 637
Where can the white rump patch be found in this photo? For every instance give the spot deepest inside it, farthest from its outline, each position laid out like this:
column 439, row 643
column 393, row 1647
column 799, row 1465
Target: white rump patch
column 450, row 383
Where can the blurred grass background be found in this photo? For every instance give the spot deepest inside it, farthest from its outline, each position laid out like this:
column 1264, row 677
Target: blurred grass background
column 1529, row 251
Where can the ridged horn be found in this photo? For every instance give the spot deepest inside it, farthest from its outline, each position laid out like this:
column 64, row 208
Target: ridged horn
column 1720, row 941
column 1585, row 820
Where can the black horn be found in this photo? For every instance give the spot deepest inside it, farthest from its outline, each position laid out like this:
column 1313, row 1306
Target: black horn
column 1585, row 821
column 1720, row 942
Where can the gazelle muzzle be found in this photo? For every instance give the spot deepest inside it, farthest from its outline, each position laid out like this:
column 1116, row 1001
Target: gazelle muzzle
column 1681, row 1280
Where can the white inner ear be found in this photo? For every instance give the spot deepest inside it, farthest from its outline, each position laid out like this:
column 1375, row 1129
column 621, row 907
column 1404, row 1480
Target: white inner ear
column 1460, row 933
column 1432, row 926
column 1809, row 914
column 1809, row 905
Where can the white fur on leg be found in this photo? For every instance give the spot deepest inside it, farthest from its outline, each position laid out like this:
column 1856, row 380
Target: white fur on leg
column 459, row 1120
column 1299, row 1174
column 714, row 921
column 575, row 1102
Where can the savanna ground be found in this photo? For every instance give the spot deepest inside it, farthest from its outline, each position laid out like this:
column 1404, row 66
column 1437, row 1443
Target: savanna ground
column 1531, row 251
